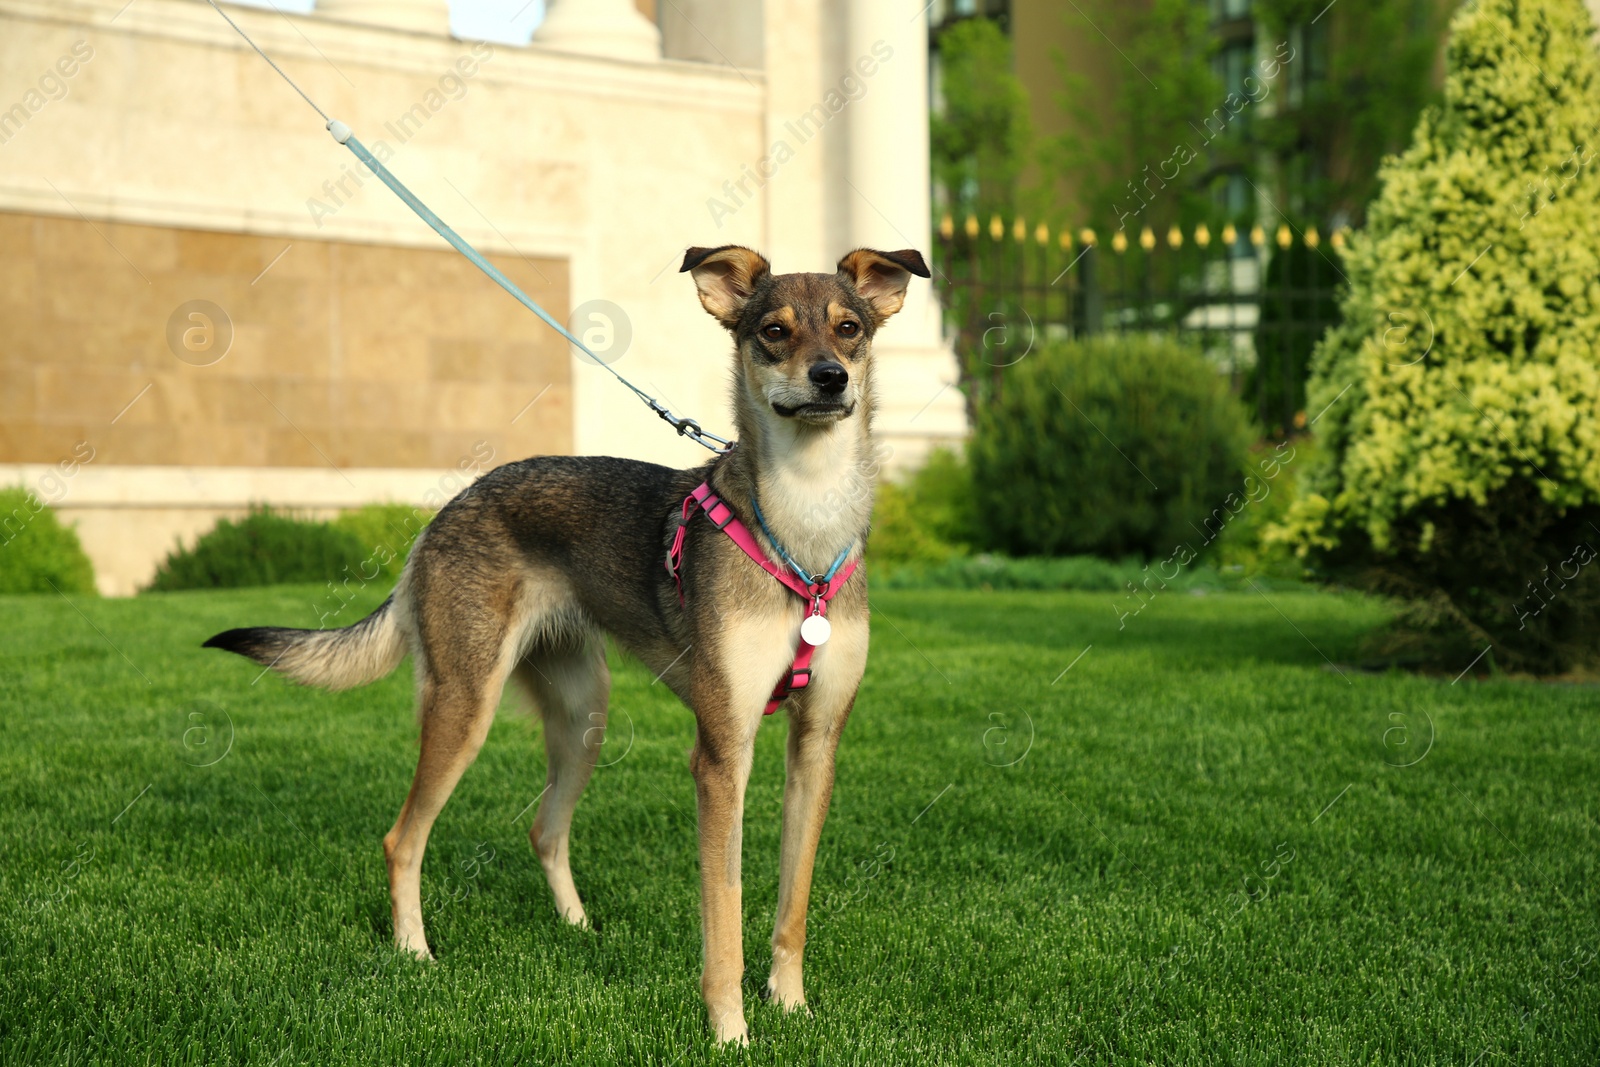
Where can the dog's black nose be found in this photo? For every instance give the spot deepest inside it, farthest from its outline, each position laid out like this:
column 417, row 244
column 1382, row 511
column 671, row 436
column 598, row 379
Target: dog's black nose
column 829, row 377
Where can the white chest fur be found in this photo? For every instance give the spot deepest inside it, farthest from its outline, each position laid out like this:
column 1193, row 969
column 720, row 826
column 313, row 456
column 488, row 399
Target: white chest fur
column 816, row 495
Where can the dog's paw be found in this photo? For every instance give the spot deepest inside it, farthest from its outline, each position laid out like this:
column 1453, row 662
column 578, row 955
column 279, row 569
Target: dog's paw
column 785, row 984
column 787, row 995
column 414, row 946
column 730, row 1029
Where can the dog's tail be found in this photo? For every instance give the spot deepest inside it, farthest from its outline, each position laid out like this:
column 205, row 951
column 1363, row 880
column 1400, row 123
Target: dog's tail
column 332, row 659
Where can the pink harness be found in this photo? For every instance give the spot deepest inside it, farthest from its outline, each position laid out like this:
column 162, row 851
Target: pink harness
column 817, row 592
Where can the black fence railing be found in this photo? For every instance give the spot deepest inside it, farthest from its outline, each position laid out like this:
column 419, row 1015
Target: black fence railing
column 1255, row 301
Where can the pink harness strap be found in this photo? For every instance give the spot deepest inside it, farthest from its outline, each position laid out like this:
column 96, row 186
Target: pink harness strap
column 818, row 593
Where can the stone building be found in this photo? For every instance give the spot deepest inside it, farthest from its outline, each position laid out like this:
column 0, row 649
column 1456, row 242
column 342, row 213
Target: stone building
column 208, row 297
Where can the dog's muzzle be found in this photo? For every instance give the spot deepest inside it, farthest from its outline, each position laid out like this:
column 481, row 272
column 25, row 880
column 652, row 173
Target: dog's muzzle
column 816, row 411
column 830, row 380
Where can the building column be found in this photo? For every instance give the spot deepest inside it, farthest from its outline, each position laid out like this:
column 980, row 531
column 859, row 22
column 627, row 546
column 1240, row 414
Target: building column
column 612, row 29
column 725, row 32
column 417, row 16
column 889, row 199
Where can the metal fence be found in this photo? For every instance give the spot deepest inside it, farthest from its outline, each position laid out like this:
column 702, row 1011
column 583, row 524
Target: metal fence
column 1254, row 301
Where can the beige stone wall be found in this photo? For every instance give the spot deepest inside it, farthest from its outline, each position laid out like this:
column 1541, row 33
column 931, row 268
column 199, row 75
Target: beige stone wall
column 605, row 165
column 343, row 355
column 174, row 165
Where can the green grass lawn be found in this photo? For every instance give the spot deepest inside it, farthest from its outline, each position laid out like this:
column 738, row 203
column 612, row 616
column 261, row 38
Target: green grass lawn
column 1197, row 845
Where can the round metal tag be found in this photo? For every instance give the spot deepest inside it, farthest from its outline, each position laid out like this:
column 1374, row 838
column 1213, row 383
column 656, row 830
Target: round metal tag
column 815, row 630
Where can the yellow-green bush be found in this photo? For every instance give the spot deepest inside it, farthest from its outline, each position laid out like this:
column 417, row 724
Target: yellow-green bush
column 1460, row 396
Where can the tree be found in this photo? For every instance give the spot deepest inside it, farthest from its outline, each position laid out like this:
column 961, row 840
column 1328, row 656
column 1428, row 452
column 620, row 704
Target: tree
column 980, row 137
column 1459, row 400
column 1116, row 152
column 1328, row 91
column 1366, row 72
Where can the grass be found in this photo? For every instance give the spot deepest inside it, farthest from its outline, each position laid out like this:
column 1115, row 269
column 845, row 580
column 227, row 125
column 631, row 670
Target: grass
column 1089, row 574
column 1193, row 845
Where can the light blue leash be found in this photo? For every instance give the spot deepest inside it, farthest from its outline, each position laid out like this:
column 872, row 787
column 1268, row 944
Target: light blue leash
column 686, row 427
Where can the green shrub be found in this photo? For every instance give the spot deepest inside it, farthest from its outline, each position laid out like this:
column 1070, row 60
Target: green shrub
column 264, row 548
column 1461, row 459
column 37, row 553
column 386, row 532
column 1248, row 545
column 1113, row 447
column 941, row 491
column 900, row 534
column 925, row 516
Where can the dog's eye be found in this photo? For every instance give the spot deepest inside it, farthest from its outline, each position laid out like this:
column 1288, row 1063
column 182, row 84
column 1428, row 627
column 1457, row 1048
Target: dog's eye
column 774, row 332
column 849, row 329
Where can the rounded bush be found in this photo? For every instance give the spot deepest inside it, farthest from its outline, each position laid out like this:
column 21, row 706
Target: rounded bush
column 37, row 553
column 264, row 548
column 1116, row 447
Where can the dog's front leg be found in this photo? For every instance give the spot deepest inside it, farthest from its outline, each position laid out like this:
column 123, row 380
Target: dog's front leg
column 721, row 763
column 816, row 719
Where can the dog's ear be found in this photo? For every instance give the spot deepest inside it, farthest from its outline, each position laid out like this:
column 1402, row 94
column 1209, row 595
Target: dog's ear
column 882, row 277
column 725, row 277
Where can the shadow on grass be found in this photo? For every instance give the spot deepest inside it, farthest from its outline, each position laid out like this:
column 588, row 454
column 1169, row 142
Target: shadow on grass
column 1217, row 631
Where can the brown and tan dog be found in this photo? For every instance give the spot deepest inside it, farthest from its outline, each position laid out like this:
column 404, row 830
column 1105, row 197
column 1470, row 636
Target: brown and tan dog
column 521, row 574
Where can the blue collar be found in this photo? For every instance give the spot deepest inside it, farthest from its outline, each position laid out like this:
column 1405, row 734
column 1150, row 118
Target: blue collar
column 783, row 553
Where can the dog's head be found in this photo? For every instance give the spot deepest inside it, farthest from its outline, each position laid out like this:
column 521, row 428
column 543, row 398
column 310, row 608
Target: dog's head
column 804, row 341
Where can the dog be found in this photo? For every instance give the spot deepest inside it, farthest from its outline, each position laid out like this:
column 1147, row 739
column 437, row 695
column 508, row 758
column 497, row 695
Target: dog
column 522, row 573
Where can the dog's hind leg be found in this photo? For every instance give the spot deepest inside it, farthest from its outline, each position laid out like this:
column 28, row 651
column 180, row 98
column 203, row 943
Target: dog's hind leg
column 459, row 692
column 571, row 687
